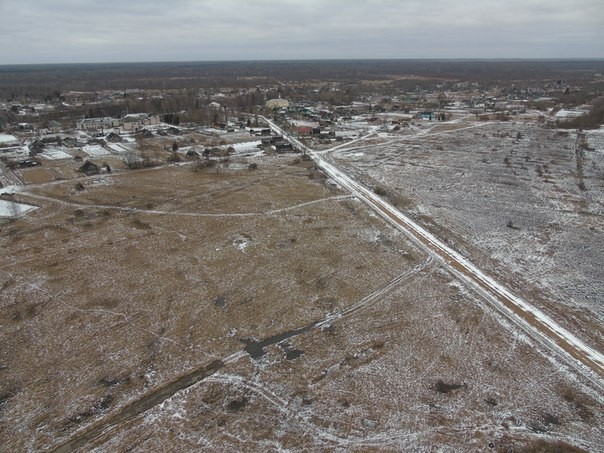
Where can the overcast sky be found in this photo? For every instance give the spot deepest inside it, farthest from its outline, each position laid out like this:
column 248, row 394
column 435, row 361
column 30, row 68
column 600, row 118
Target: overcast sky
column 65, row 31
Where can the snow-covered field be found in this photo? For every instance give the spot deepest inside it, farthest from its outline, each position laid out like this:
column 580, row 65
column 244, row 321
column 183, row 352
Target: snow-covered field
column 246, row 147
column 121, row 148
column 508, row 196
column 16, row 152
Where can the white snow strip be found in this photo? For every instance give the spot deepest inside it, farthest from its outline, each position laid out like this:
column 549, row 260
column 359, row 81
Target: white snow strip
column 246, row 146
column 120, row 148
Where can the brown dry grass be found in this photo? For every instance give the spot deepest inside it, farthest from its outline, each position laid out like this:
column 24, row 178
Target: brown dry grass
column 93, row 293
column 112, row 291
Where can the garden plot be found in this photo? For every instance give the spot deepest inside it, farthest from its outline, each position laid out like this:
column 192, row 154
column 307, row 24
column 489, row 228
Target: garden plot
column 55, row 154
column 122, row 148
column 96, row 151
column 595, row 139
column 15, row 152
column 8, row 139
column 247, row 147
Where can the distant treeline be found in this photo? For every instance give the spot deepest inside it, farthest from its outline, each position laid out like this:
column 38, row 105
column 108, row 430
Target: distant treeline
column 48, row 81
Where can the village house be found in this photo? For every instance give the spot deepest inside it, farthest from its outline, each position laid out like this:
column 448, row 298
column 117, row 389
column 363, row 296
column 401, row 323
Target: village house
column 90, row 168
column 284, row 147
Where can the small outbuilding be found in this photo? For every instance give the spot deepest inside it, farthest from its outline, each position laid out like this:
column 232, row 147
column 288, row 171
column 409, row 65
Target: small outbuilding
column 90, row 168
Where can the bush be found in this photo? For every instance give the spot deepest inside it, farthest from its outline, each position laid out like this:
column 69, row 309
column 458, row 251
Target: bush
column 203, row 164
column 174, row 157
column 379, row 190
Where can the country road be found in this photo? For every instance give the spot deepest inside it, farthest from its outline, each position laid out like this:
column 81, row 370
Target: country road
column 530, row 319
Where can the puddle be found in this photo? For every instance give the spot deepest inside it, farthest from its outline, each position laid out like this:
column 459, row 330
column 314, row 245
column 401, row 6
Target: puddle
column 294, row 354
column 220, row 301
column 237, row 166
column 236, row 405
column 290, row 353
column 442, row 387
column 256, row 348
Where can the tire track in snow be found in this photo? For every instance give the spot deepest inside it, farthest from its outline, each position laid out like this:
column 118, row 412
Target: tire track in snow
column 375, row 295
column 532, row 320
column 157, row 396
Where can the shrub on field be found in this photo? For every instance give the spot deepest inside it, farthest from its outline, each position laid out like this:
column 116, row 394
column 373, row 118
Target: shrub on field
column 174, row 157
column 379, row 190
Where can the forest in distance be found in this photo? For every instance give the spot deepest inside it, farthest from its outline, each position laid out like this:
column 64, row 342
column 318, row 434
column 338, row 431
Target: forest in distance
column 36, row 81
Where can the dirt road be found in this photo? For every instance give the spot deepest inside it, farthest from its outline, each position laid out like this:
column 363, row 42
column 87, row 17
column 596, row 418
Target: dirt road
column 533, row 321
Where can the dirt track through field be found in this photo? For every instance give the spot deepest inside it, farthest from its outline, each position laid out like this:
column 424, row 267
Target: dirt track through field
column 253, row 349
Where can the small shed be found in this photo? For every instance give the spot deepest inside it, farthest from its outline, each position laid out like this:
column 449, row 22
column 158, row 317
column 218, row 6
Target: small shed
column 90, row 168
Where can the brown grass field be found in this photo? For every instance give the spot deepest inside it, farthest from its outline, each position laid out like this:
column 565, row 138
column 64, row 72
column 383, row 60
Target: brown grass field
column 113, row 292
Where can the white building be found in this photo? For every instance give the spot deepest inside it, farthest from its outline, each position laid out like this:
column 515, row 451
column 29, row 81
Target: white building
column 131, row 122
column 95, row 124
column 277, row 103
column 135, row 121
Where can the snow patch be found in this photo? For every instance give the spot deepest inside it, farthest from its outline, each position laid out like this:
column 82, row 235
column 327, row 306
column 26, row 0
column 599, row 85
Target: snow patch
column 13, row 210
column 246, row 146
column 8, row 139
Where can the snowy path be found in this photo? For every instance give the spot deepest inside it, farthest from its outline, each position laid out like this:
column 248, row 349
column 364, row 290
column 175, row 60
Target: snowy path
column 530, row 319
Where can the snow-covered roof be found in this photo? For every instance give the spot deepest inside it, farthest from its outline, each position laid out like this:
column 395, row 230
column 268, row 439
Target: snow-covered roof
column 135, row 117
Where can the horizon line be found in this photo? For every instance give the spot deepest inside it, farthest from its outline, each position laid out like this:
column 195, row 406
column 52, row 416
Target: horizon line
column 285, row 60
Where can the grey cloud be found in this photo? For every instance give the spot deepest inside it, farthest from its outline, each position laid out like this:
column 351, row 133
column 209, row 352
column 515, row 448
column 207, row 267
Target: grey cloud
column 76, row 30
